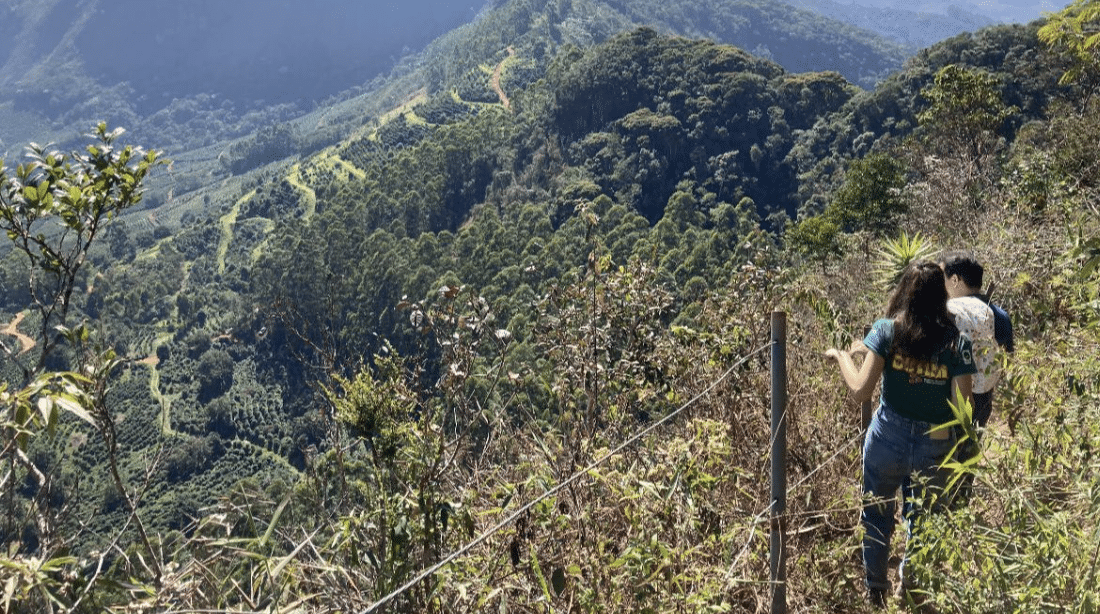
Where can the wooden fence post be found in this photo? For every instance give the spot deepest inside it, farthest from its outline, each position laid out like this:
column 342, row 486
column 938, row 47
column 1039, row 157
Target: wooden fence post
column 779, row 463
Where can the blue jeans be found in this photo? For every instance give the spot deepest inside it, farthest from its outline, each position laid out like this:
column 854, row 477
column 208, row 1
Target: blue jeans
column 983, row 407
column 898, row 453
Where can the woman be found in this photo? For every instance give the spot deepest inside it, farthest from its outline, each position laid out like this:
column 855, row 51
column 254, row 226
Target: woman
column 924, row 362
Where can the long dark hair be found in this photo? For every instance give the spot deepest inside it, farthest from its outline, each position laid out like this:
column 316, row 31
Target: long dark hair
column 922, row 323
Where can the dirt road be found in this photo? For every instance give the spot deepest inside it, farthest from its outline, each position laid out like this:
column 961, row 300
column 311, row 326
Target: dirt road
column 13, row 329
column 496, row 81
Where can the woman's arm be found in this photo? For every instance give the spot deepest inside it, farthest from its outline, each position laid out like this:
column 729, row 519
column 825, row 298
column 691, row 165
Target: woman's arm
column 963, row 386
column 861, row 379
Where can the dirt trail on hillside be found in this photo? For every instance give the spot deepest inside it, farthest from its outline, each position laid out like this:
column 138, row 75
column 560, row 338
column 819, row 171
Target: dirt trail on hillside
column 13, row 329
column 496, row 80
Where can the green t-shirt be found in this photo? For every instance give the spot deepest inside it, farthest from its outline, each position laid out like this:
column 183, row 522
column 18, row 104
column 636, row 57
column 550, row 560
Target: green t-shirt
column 919, row 389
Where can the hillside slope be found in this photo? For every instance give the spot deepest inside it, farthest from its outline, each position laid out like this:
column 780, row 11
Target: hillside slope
column 909, row 25
column 187, row 75
column 691, row 160
column 348, row 356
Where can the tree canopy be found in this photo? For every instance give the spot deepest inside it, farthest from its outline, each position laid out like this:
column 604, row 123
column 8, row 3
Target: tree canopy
column 345, row 366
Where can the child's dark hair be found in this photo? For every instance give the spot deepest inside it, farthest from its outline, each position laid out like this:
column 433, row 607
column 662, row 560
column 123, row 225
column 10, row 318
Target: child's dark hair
column 965, row 266
column 922, row 323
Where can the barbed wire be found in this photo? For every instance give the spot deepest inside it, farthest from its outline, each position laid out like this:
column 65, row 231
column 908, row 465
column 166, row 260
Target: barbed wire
column 561, row 486
column 760, row 518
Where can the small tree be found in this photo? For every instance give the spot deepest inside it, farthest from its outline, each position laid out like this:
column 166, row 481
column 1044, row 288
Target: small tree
column 817, row 237
column 871, row 198
column 1075, row 33
column 52, row 208
column 965, row 113
column 961, row 131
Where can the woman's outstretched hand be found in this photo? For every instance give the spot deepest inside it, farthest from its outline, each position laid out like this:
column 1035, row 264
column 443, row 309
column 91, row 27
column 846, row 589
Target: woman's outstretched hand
column 856, row 349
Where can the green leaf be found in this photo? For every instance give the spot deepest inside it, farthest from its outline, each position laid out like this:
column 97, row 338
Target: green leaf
column 71, row 405
column 45, row 408
column 22, row 414
column 1090, row 265
column 538, row 573
column 275, row 520
column 51, row 422
column 57, row 564
column 293, row 556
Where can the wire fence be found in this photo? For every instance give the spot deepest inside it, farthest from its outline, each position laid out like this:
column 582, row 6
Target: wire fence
column 562, row 485
column 762, row 517
column 739, row 552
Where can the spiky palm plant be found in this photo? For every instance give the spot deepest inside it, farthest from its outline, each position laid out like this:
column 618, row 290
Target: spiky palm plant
column 893, row 255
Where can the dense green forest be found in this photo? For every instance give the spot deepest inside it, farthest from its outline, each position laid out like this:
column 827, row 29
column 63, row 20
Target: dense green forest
column 338, row 356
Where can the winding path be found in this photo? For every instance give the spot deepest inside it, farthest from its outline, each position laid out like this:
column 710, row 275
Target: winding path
column 496, row 80
column 13, row 329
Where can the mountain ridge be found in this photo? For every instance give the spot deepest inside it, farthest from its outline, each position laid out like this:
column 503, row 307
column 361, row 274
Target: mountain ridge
column 90, row 72
column 387, row 320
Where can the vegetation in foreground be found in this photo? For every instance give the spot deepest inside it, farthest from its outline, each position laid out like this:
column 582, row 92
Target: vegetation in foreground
column 473, row 404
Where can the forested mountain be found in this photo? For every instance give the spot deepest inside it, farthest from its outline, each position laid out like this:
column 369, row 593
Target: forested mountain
column 64, row 63
column 908, row 24
column 194, row 73
column 930, row 14
column 321, row 357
